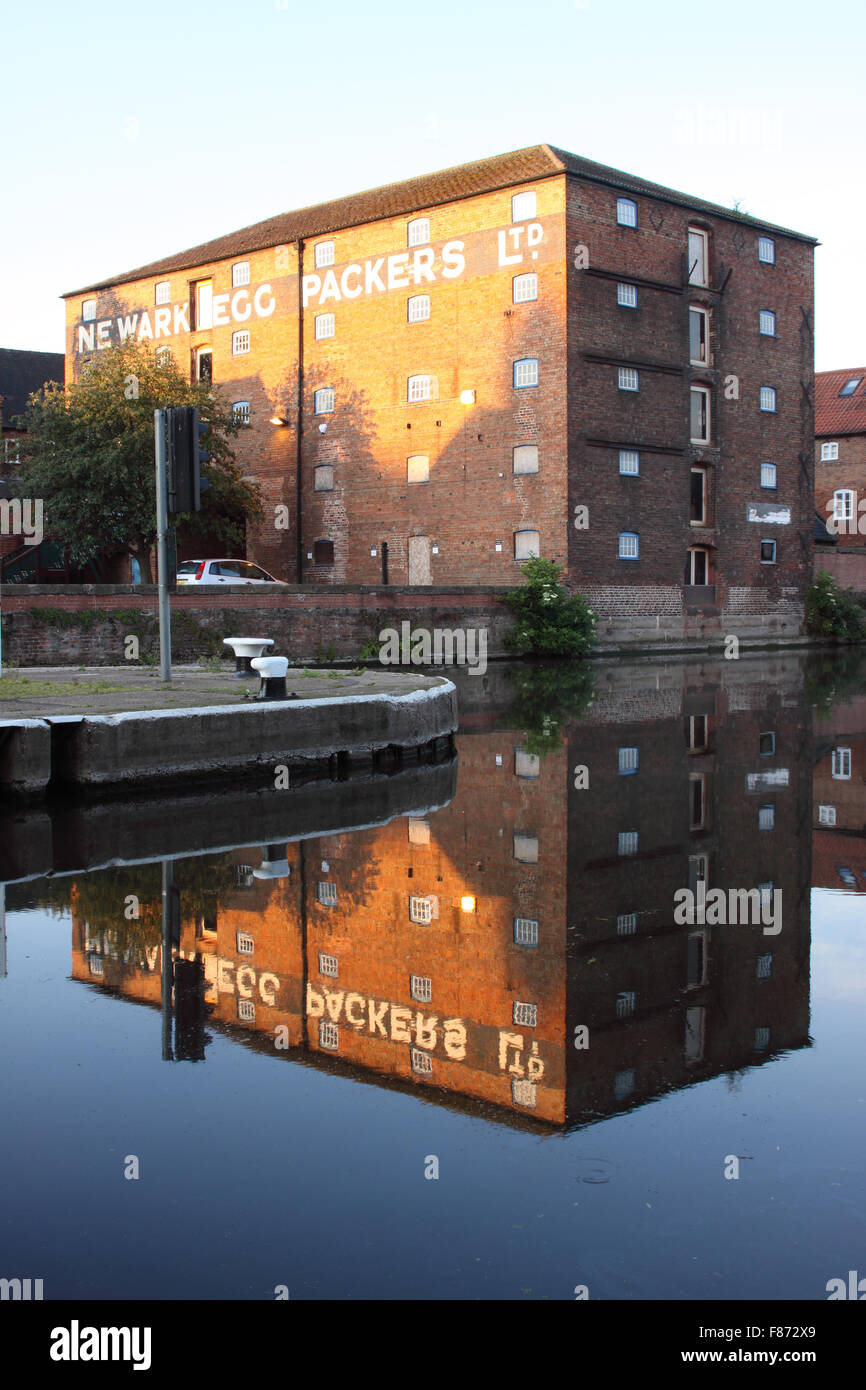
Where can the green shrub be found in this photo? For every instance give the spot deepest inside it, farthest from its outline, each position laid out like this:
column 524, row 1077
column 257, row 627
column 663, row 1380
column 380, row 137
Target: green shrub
column 549, row 620
column 832, row 612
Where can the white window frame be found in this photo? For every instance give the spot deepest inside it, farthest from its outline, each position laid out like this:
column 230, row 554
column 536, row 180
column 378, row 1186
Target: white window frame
column 766, row 540
column 418, row 308
column 324, row 254
column 829, row 451
column 627, row 761
column 843, row 504
column 421, row 988
column 162, row 292
column 240, row 274
column 767, row 817
column 329, row 1035
column 698, row 263
column 245, row 943
column 524, row 206
column 524, row 288
column 420, row 909
column 764, row 483
column 525, row 931
column 627, row 550
column 241, row 412
column 626, row 295
column 626, row 212
column 525, row 373
column 768, row 400
column 840, row 764
column 326, row 326
column 766, row 250
column 329, row 965
column 526, row 452
column 705, row 315
column 419, row 388
column 88, row 310
column 826, row 815
column 246, row 1010
column 323, row 401
column 523, row 1014
column 767, row 323
column 240, row 342
column 626, row 924
column 326, row 893
column 626, row 458
column 628, row 379
column 422, row 1062
column 626, row 1002
column 418, row 231
column 704, row 391
column 626, row 842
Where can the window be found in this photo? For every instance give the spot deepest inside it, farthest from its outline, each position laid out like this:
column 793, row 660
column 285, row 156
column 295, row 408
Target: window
column 523, row 206
column 768, row 475
column 524, row 287
column 696, row 959
column 764, row 966
column 840, row 765
column 417, row 468
column 162, row 292
column 88, row 309
column 421, row 988
column 323, row 553
column 525, row 931
column 323, row 478
column 768, row 552
column 695, row 1028
column 698, row 566
column 523, row 1092
column 204, row 364
column 697, row 800
column 627, row 379
column 766, row 745
column 700, row 414
column 768, row 399
column 699, row 336
column 525, row 1014
column 699, row 871
column 420, row 388
column 96, row 964
column 626, row 924
column 202, row 301
column 698, row 499
column 421, row 910
column 767, row 323
column 826, row 815
column 241, row 412
column 627, row 295
column 324, row 254
column 525, row 458
column 526, row 764
column 526, row 372
column 163, row 355
column 323, row 401
column 766, row 817
column 240, row 274
column 245, row 943
column 625, row 1003
column 767, row 250
column 623, row 1083
column 328, row 965
column 418, row 232
column 626, row 842
column 697, row 257
column 829, row 452
column 628, row 545
column 627, row 761
column 247, row 1010
column 526, row 849
column 762, row 1039
column 526, row 545
column 626, row 212
column 327, row 894
column 847, row 390
column 240, row 342
column 843, row 504
column 329, row 1035
column 697, row 733
column 418, row 308
column 325, row 324
column 629, row 463
column 422, row 1062
column 418, row 831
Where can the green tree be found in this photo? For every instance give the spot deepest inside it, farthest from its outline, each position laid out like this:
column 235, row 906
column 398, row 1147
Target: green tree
column 832, row 612
column 549, row 620
column 89, row 454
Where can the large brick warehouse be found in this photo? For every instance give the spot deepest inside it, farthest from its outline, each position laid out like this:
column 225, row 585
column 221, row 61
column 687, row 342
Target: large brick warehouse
column 529, row 354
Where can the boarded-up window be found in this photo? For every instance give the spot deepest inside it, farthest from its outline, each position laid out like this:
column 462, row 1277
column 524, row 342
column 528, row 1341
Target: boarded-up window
column 323, row 552
column 324, row 478
column 417, row 468
column 526, row 458
column 526, row 545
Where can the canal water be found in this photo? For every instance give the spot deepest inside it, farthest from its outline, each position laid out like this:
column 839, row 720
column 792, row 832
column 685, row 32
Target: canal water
column 578, row 1011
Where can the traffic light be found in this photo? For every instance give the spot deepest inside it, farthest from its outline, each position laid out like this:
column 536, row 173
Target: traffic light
column 185, row 457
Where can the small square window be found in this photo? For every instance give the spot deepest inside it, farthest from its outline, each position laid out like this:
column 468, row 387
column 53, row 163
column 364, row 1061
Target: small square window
column 323, row 554
column 526, row 764
column 323, row 401
column 421, row 910
column 523, row 206
column 328, row 965
column 768, row 475
column 766, row 817
column 327, row 894
column 525, row 1014
column 768, row 552
column 829, row 452
column 523, row 1092
column 767, row 323
column 768, row 399
column 422, row 1062
column 766, row 745
column 627, row 379
column 421, row 988
column 88, row 310
column 245, row 943
column 325, row 325
column 628, row 545
column 525, row 458
column 525, row 931
column 628, row 761
column 417, row 468
column 826, row 815
column 626, row 924
column 418, row 232
column 626, row 212
column 241, row 412
column 418, row 308
column 162, row 292
column 323, row 478
column 627, row 295
column 240, row 342
column 420, row 388
column 526, row 372
column 526, row 849
column 626, row 842
column 324, row 254
column 329, row 1035
column 524, row 287
column 526, row 545
column 240, row 274
column 629, row 463
column 767, row 250
column 247, row 1010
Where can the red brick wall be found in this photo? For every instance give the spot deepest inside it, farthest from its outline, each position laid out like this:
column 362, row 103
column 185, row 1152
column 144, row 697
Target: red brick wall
column 848, row 471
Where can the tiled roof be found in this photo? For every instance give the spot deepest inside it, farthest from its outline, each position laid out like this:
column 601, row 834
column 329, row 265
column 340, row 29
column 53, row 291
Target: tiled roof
column 23, row 372
column 412, row 195
column 835, row 414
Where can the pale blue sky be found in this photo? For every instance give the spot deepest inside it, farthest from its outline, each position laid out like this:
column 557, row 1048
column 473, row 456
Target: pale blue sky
column 131, row 131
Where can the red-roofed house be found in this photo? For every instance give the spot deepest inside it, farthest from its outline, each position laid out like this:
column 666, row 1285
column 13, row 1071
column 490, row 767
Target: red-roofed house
column 840, row 471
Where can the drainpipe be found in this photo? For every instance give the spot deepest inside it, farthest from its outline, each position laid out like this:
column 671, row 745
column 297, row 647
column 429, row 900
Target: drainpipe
column 300, row 417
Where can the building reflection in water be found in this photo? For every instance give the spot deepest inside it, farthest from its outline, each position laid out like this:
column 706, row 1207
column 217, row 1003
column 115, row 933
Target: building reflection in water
column 515, row 953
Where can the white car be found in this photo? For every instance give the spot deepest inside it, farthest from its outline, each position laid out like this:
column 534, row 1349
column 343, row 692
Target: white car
column 222, row 572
